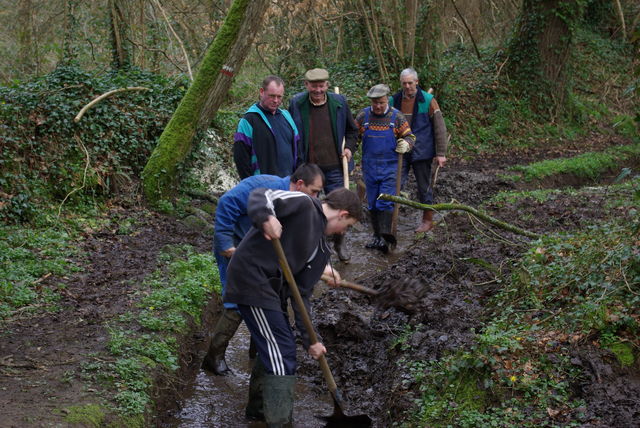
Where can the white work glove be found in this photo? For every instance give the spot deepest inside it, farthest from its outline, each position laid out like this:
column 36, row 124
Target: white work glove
column 402, row 146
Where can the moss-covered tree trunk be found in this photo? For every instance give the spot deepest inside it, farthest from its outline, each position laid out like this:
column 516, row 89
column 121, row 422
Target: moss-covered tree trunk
column 540, row 50
column 200, row 103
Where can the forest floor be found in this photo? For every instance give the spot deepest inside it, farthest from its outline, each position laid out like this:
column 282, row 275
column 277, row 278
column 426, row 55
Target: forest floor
column 42, row 356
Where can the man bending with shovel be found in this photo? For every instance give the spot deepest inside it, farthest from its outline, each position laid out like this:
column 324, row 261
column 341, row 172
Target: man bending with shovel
column 232, row 223
column 298, row 224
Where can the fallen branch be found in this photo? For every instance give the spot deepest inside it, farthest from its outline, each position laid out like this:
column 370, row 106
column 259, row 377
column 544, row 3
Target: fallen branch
column 460, row 207
column 103, row 96
column 7, row 361
column 199, row 194
column 84, row 175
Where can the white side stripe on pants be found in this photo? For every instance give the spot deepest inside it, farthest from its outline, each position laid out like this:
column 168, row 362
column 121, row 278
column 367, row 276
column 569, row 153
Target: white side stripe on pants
column 274, row 351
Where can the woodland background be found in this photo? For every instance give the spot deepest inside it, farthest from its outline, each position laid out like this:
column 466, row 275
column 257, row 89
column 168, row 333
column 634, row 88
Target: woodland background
column 516, row 77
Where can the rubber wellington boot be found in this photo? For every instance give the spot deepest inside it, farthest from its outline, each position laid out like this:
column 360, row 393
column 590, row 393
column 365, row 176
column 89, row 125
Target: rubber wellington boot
column 224, row 330
column 375, row 242
column 340, row 247
column 254, row 411
column 427, row 222
column 278, row 400
column 385, row 217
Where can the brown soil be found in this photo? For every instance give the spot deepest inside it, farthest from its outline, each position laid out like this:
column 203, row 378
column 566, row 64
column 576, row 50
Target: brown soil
column 41, row 355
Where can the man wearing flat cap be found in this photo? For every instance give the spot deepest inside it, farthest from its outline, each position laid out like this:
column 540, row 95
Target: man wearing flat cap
column 385, row 133
column 327, row 133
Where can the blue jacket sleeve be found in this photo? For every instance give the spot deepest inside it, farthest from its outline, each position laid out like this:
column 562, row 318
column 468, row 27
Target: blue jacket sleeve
column 230, row 208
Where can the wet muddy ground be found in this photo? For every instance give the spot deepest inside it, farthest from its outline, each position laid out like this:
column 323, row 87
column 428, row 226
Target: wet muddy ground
column 41, row 356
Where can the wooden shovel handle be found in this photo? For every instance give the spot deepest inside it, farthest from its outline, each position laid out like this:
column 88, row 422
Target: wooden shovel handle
column 396, row 206
column 297, row 297
column 353, row 286
column 345, row 162
column 345, row 168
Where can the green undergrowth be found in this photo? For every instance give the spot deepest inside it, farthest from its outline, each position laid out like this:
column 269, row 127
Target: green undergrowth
column 485, row 115
column 570, row 290
column 48, row 158
column 144, row 341
column 28, row 257
column 587, row 166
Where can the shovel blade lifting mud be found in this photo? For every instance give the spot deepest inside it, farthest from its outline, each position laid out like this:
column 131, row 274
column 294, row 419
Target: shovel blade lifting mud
column 404, row 295
column 338, row 415
column 339, row 420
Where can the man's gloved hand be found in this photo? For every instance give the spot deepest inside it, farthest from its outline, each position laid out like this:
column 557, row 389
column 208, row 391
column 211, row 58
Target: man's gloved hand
column 402, row 146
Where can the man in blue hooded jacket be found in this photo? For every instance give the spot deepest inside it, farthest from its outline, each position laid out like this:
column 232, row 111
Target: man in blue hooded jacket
column 231, row 225
column 427, row 124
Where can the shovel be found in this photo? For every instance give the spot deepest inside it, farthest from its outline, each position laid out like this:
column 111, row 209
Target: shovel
column 338, row 418
column 353, row 286
column 396, row 207
column 345, row 162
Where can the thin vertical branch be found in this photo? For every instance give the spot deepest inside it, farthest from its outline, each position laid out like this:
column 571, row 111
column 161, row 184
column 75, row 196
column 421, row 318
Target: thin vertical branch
column 184, row 51
column 374, row 41
column 621, row 17
column 475, row 47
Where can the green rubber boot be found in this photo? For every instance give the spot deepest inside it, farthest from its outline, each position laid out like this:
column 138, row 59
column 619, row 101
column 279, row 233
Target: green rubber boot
column 224, row 330
column 254, row 411
column 278, row 400
column 375, row 224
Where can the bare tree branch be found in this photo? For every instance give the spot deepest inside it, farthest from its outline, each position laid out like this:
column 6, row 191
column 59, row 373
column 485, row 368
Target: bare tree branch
column 468, row 29
column 103, row 96
column 184, row 51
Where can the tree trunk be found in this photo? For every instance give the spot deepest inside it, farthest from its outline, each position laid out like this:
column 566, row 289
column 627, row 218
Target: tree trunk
column 540, row 50
column 70, row 42
column 411, row 7
column 250, row 25
column 204, row 96
column 119, row 51
column 398, row 20
column 25, row 58
column 428, row 34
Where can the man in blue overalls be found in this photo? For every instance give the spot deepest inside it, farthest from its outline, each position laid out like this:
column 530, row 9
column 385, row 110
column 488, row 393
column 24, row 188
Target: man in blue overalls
column 385, row 133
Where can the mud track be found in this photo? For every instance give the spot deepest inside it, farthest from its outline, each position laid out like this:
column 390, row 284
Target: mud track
column 41, row 356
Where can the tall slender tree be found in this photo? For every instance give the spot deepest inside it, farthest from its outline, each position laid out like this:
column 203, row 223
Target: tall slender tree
column 200, row 103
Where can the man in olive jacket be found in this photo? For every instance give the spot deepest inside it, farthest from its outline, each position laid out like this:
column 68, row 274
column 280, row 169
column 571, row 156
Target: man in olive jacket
column 327, row 131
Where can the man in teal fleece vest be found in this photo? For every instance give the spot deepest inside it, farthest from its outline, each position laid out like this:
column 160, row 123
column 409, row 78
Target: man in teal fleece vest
column 423, row 113
column 266, row 140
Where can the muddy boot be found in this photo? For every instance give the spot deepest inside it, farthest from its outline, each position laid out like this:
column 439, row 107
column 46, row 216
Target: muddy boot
column 427, row 222
column 340, row 247
column 254, row 411
column 278, row 400
column 384, row 217
column 375, row 242
column 224, row 330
